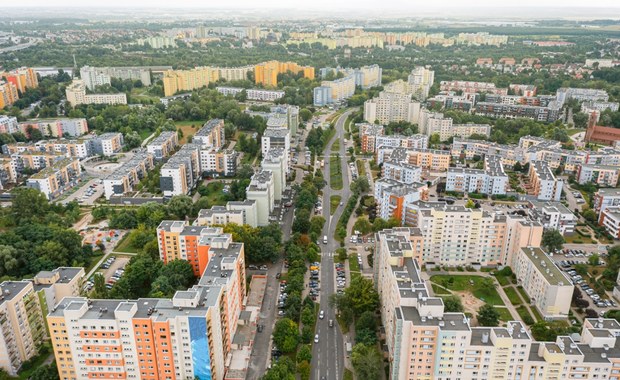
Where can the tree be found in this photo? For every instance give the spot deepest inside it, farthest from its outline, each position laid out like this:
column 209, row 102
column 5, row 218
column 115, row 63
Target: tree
column 434, row 140
column 28, row 204
column 452, row 304
column 99, row 289
column 305, row 114
column 360, row 185
column 488, row 316
column 283, row 369
column 580, row 120
column 45, row 372
column 362, row 295
column 366, row 337
column 304, row 354
column 245, row 171
column 553, row 240
column 590, row 215
column 593, row 260
column 470, row 204
column 286, row 335
column 8, row 260
column 180, row 206
column 366, row 361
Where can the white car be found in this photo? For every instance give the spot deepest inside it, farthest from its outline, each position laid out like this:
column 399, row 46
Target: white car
column 321, row 315
column 316, row 338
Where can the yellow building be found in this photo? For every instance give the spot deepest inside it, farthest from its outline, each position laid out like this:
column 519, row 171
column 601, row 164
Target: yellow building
column 187, row 80
column 8, row 94
column 266, row 73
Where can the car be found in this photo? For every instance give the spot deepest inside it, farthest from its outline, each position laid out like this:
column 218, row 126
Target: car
column 321, row 314
column 263, row 267
column 331, row 323
column 281, row 313
column 316, row 338
column 252, row 267
column 260, row 328
column 278, row 275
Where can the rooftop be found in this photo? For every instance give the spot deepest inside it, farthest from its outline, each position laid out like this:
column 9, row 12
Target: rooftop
column 208, row 127
column 546, row 266
column 10, row 289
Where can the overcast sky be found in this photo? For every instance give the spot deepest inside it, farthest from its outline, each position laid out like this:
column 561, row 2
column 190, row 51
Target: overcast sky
column 316, row 4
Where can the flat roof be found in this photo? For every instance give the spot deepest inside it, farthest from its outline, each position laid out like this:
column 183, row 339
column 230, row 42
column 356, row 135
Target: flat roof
column 546, row 266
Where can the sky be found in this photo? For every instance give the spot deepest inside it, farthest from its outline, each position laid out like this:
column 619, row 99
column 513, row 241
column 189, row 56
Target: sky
column 317, row 4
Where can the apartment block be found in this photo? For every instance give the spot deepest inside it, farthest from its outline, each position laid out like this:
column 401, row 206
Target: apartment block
column 97, row 76
column 449, row 100
column 57, row 284
column 266, row 73
column 8, row 124
column 52, row 181
column 276, row 162
column 181, row 172
column 219, row 216
column 523, row 89
column 22, row 78
column 234, row 73
column 543, row 184
column 491, row 180
column 179, row 241
column 108, row 144
column 420, row 81
column 604, row 198
column 21, row 325
column 252, row 93
column 262, row 191
column 7, row 173
column 472, row 87
column 365, row 76
column 401, row 172
column 393, row 197
column 274, row 137
column 549, row 289
column 548, row 113
column 334, row 91
column 8, row 94
column 211, row 135
column 553, row 215
column 602, row 175
column 391, row 107
column 93, row 77
column 158, row 42
column 215, row 162
column 582, row 94
column 188, row 80
column 429, row 159
column 434, row 123
column 76, row 95
column 610, row 219
column 163, row 145
column 56, row 127
column 468, row 149
column 368, row 136
column 127, row 176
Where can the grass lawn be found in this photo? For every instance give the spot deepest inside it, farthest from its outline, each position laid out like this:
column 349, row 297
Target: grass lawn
column 215, row 194
column 536, row 313
column 473, row 284
column 336, row 145
column 125, row 246
column 577, row 239
column 353, row 264
column 348, row 375
column 503, row 280
column 335, row 173
column 504, row 314
column 524, row 295
column 438, row 290
column 347, row 124
column 334, row 201
column 523, row 313
column 513, row 296
column 186, row 128
column 97, row 255
column 361, row 168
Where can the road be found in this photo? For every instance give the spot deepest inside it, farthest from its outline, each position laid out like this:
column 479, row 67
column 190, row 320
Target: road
column 328, row 354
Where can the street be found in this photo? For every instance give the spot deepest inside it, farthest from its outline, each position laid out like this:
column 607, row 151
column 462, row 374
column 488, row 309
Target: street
column 328, row 354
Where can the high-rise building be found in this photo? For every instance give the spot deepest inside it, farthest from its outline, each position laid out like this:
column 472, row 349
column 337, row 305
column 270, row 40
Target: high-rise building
column 266, row 73
column 127, row 176
column 8, row 124
column 491, row 180
column 421, row 80
column 22, row 78
column 543, row 183
column 8, row 94
column 163, row 145
column 211, row 135
column 262, row 191
column 187, row 80
column 391, row 107
column 56, row 127
column 180, row 174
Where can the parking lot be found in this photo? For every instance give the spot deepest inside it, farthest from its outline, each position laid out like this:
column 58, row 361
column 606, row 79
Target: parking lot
column 112, row 269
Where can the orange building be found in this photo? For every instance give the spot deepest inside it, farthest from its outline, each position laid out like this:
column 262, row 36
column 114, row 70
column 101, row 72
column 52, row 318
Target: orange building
column 8, row 94
column 23, row 78
column 266, row 73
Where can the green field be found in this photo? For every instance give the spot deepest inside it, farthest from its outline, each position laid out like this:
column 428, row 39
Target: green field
column 474, row 284
column 523, row 295
column 513, row 296
column 504, row 314
column 336, row 145
column 215, row 194
column 524, row 314
column 334, row 201
column 335, row 173
column 189, row 128
column 125, row 246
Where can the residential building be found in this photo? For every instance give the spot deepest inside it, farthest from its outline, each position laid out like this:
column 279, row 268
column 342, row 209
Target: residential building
column 429, row 159
column 468, row 149
column 274, row 137
column 602, row 175
column 365, row 76
column 21, row 325
column 393, row 197
column 368, row 136
column 543, row 184
column 590, row 106
column 417, row 141
column 252, row 93
column 163, row 145
column 420, row 81
column 187, row 80
column 211, row 135
column 234, row 73
column 610, row 219
column 604, row 198
column 238, row 212
column 97, row 76
column 56, row 127
column 8, row 94
column 7, row 172
column 266, row 73
column 53, row 180
column 334, row 91
column 601, row 63
column 492, row 180
column 526, row 90
column 8, row 124
column 431, row 123
column 548, row 287
column 92, row 77
column 124, row 179
column 80, row 148
column 108, row 144
column 391, row 107
column 276, row 162
column 549, row 113
column 76, row 94
column 57, row 284
column 582, row 94
column 215, row 162
column 158, row 42
column 472, row 87
column 22, row 78
column 449, row 100
column 553, row 216
column 180, row 174
column 322, row 96
column 178, row 240
column 261, row 190
column 401, row 172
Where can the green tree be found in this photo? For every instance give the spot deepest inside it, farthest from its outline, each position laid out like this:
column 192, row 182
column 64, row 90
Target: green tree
column 594, row 259
column 590, row 215
column 470, row 204
column 488, row 316
column 303, row 368
column 304, row 354
column 45, row 372
column 180, row 206
column 9, row 262
column 580, row 120
column 366, row 361
column 139, row 237
column 28, row 204
column 283, row 369
column 552, row 240
column 99, row 289
column 362, row 295
column 286, row 335
column 452, row 304
column 305, row 114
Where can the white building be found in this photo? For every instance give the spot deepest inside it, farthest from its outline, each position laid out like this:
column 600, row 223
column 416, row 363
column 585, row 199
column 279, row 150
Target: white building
column 543, row 183
column 491, row 180
column 76, row 94
column 252, row 93
column 182, row 171
column 8, row 124
column 93, row 77
column 107, row 144
column 276, row 138
column 391, row 107
column 262, row 190
column 275, row 161
column 421, row 80
column 211, row 135
column 553, row 215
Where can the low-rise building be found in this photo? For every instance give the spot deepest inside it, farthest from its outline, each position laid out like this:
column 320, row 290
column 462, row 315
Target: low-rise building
column 429, row 159
column 553, row 215
column 21, row 325
column 8, row 124
column 163, row 145
column 252, row 93
column 417, row 141
column 549, row 289
column 543, row 183
column 401, row 172
column 602, row 175
column 127, row 176
column 76, row 94
column 215, row 162
column 492, row 180
column 56, row 127
column 53, row 180
column 604, row 198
